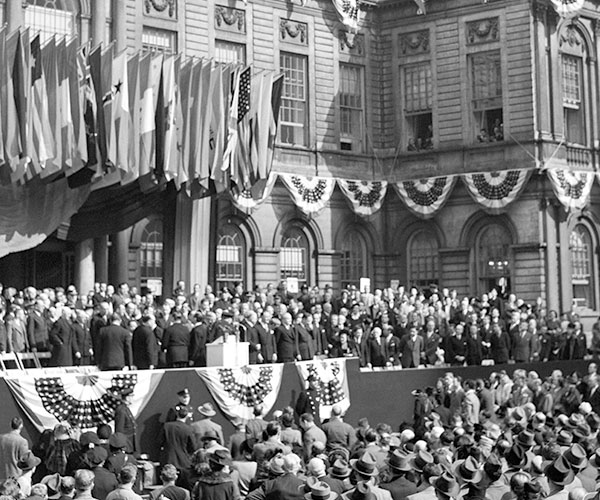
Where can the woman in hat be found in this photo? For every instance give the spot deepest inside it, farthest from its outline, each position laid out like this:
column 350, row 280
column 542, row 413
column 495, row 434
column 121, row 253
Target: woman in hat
column 446, row 487
column 61, row 446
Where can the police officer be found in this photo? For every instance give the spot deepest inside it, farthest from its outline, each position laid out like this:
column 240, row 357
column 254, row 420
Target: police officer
column 184, row 402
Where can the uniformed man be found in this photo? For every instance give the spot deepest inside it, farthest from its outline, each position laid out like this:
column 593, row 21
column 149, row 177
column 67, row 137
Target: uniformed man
column 184, row 401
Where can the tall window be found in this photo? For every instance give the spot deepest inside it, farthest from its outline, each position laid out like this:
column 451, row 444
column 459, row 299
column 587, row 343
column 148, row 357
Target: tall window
column 354, row 259
column 351, row 108
column 486, row 76
column 582, row 267
column 51, row 17
column 230, row 52
column 418, row 92
column 151, row 251
column 230, row 256
column 159, row 40
column 423, row 259
column 493, row 257
column 293, row 124
column 294, row 254
column 572, row 93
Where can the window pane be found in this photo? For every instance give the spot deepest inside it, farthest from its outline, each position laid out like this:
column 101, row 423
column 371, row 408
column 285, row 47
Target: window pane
column 230, row 52
column 151, row 251
column 293, row 117
column 417, row 88
column 487, row 78
column 49, row 20
column 159, row 40
column 582, row 275
column 354, row 259
column 230, row 256
column 571, row 79
column 424, row 259
column 293, row 255
column 494, row 251
column 351, row 106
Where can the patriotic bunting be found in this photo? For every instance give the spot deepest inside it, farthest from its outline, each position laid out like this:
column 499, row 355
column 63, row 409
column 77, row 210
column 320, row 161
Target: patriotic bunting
column 84, row 400
column 348, row 12
column 249, row 199
column 572, row 188
column 425, row 196
column 237, row 390
column 365, row 197
column 332, row 383
column 496, row 190
column 309, row 195
column 567, row 8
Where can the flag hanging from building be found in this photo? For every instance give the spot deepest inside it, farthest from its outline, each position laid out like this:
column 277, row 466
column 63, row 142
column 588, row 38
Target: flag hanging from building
column 247, row 200
column 425, row 196
column 348, row 12
column 568, row 8
column 331, row 382
column 496, row 190
column 572, row 188
column 309, row 195
column 365, row 197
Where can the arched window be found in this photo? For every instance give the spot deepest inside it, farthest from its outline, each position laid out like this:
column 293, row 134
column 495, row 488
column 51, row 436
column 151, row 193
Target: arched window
column 574, row 77
column 354, row 259
column 423, row 259
column 582, row 266
column 52, row 17
column 151, row 251
column 230, row 256
column 494, row 258
column 294, row 255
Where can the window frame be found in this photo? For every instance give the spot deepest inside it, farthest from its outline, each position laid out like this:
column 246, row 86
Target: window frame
column 154, row 47
column 231, row 231
column 234, row 45
column 485, row 278
column 158, row 252
column 353, row 267
column 304, row 273
column 412, row 254
column 47, row 14
column 579, row 280
column 356, row 140
column 305, row 100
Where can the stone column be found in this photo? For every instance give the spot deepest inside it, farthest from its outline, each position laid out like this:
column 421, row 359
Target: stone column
column 119, row 31
column 118, row 257
column 14, row 14
column 101, row 258
column 200, row 241
column 98, row 22
column 84, row 266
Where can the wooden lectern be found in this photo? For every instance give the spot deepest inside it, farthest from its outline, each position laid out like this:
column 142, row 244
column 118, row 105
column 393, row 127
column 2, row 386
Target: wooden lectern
column 228, row 355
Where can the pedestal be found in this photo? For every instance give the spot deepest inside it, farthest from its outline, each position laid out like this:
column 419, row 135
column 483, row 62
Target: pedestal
column 229, row 355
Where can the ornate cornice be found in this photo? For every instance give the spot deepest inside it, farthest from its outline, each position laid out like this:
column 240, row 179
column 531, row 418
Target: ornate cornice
column 483, row 31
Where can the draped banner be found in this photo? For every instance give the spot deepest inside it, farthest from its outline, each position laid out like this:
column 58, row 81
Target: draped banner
column 425, row 196
column 249, row 199
column 567, row 8
column 348, row 12
column 30, row 213
column 365, row 197
column 496, row 190
column 309, row 195
column 572, row 188
column 237, row 390
column 332, row 383
column 83, row 400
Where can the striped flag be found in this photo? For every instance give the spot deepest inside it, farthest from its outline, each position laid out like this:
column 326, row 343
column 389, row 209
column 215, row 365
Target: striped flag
column 133, row 77
column 79, row 155
column 64, row 105
column 150, row 70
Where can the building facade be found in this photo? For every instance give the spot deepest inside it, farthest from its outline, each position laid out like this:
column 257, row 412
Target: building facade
column 468, row 87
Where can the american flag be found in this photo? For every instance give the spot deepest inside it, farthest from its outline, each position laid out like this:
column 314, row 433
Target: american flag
column 244, row 93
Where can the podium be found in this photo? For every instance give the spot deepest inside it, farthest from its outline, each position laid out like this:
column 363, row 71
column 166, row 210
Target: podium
column 228, row 355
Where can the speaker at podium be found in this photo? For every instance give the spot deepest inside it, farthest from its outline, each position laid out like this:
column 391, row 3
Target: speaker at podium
column 229, row 353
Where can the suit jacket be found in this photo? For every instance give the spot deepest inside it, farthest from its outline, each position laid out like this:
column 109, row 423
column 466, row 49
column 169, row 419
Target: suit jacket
column 96, row 324
column 304, row 342
column 411, row 351
column 13, row 447
column 285, row 338
column 287, row 486
column 176, row 341
column 104, row 482
column 392, row 349
column 522, row 347
column 308, row 402
column 114, row 348
column 63, row 342
column 474, row 350
column 125, row 424
column 594, row 400
column 37, row 331
column 376, row 352
column 144, row 347
column 198, row 339
column 456, row 347
column 500, row 347
column 400, row 488
column 179, row 444
column 430, row 347
column 268, row 345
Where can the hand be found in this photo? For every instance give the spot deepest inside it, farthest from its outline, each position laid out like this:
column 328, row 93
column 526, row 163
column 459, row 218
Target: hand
column 151, row 367
column 260, row 358
column 91, row 352
column 34, row 349
column 258, row 347
column 274, row 357
column 78, row 355
column 126, row 368
column 370, row 366
column 299, row 358
column 133, row 367
column 190, row 363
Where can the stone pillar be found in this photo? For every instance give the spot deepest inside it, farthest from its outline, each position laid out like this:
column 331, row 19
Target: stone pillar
column 84, row 266
column 98, row 22
column 118, row 257
column 14, row 14
column 200, row 241
column 101, row 258
column 119, row 31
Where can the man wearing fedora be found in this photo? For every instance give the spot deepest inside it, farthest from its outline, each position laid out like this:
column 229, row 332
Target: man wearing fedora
column 118, row 457
column 338, row 474
column 104, row 480
column 493, row 480
column 27, row 464
column 446, row 487
column 13, row 446
column 399, row 485
column 286, row 486
column 217, row 483
column 559, row 476
column 365, row 469
column 431, row 471
column 318, row 490
column 468, row 473
column 205, row 424
column 177, row 441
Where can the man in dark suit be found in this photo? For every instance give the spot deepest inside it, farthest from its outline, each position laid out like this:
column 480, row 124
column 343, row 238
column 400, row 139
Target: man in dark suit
column 522, row 344
column 64, row 343
column 144, row 345
column 285, row 339
column 592, row 395
column 376, row 356
column 124, row 420
column 431, row 343
column 199, row 338
column 251, row 336
column 114, row 346
column 457, row 347
column 176, row 343
column 37, row 328
column 83, row 338
column 398, row 484
column 268, row 347
column 177, row 440
column 104, row 480
column 392, row 346
column 411, row 347
column 99, row 320
column 309, row 400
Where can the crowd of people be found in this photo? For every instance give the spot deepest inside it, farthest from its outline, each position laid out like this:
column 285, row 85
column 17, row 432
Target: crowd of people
column 387, row 328
column 501, row 438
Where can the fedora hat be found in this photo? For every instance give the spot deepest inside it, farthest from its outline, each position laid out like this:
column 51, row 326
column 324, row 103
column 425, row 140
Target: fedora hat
column 52, row 482
column 365, row 465
column 117, row 440
column 96, row 455
column 362, row 492
column 581, row 433
column 28, row 462
column 276, row 465
column 468, row 471
column 220, row 457
column 492, row 465
column 399, row 461
column 320, row 490
column 576, row 457
column 516, row 457
column 340, row 469
column 447, row 485
column 564, row 438
column 525, row 439
column 559, row 472
column 207, row 410
column 211, row 434
column 420, row 460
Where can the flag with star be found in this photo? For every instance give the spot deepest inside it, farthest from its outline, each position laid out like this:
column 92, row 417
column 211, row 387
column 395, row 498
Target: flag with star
column 50, row 67
column 174, row 117
column 120, row 118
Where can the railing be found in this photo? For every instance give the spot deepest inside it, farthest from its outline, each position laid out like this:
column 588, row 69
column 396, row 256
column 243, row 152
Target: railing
column 578, row 157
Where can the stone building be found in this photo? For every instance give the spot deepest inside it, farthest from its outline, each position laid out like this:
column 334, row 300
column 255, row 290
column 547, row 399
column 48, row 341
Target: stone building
column 481, row 117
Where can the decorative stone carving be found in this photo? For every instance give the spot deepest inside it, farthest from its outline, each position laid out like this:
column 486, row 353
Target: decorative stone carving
column 416, row 42
column 571, row 36
column 352, row 43
column 230, row 19
column 161, row 7
column 293, row 32
column 483, row 31
column 540, row 11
